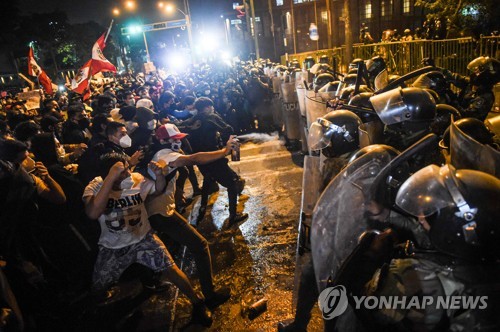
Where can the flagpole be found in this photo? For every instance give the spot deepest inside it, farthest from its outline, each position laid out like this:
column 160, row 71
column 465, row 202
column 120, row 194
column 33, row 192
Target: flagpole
column 109, row 30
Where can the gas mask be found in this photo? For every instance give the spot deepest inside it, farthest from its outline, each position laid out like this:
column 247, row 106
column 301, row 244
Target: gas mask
column 125, row 141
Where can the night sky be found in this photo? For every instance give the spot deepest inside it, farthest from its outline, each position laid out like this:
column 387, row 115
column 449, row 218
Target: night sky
column 204, row 12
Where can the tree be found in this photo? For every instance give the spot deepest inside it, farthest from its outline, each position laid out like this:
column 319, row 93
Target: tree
column 465, row 16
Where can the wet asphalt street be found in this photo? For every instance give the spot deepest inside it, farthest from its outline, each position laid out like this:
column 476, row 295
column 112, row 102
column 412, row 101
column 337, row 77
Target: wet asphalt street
column 256, row 258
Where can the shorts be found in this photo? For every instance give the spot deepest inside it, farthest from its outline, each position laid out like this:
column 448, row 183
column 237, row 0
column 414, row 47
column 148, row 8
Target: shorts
column 111, row 263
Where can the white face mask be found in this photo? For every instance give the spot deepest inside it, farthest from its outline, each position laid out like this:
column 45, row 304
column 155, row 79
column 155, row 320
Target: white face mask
column 207, row 92
column 193, row 112
column 175, row 146
column 152, row 124
column 130, row 102
column 125, row 141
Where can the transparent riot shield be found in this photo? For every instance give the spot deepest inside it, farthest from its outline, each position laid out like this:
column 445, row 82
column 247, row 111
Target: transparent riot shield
column 276, row 84
column 288, row 92
column 291, row 113
column 371, row 133
column 301, row 96
column 466, row 152
column 338, row 218
column 315, row 108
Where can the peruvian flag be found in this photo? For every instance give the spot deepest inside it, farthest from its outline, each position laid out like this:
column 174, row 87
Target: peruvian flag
column 99, row 62
column 35, row 70
column 80, row 82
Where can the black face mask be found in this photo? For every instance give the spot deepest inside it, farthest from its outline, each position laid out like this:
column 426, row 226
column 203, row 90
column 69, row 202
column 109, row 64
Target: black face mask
column 83, row 123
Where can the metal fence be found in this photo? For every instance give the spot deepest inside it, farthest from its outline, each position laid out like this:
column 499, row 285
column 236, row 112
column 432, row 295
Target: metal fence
column 403, row 57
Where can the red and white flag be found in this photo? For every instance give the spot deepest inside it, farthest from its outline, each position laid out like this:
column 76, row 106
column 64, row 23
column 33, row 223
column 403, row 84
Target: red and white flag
column 99, row 62
column 80, row 82
column 35, row 70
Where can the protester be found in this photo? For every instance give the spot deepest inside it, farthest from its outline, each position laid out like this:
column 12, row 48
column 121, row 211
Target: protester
column 116, row 198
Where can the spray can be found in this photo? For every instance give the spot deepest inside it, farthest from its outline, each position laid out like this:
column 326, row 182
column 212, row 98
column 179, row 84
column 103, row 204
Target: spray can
column 235, row 152
column 257, row 308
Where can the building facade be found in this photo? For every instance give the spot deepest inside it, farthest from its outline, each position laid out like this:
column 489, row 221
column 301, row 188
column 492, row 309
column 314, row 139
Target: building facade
column 283, row 26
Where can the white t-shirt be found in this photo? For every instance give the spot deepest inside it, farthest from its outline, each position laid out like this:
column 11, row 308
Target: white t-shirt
column 164, row 203
column 125, row 220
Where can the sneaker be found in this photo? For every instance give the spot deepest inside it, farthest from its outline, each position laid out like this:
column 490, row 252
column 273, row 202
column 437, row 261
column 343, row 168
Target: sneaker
column 220, row 296
column 238, row 217
column 201, row 315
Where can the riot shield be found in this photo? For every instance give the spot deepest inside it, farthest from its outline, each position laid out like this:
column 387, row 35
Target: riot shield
column 291, row 113
column 301, row 96
column 276, row 84
column 339, row 216
column 288, row 92
column 466, row 152
column 315, row 108
column 371, row 133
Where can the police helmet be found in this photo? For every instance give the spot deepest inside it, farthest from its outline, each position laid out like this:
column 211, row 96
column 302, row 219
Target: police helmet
column 374, row 148
column 335, row 134
column 460, row 206
column 375, row 65
column 404, row 105
column 485, row 71
column 472, row 127
column 433, row 80
column 321, row 80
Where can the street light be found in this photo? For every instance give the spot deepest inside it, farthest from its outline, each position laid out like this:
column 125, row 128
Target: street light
column 130, row 5
column 169, row 8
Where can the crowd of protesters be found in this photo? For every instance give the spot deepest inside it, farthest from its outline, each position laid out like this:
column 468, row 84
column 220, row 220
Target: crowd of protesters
column 431, row 30
column 80, row 179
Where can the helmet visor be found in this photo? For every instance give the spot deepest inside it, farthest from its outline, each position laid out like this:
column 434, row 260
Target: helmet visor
column 381, row 80
column 423, row 82
column 319, row 135
column 390, row 106
column 424, row 193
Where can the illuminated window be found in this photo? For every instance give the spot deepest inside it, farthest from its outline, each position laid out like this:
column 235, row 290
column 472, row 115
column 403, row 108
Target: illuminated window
column 279, row 2
column 368, row 9
column 406, row 6
column 386, row 9
column 324, row 17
